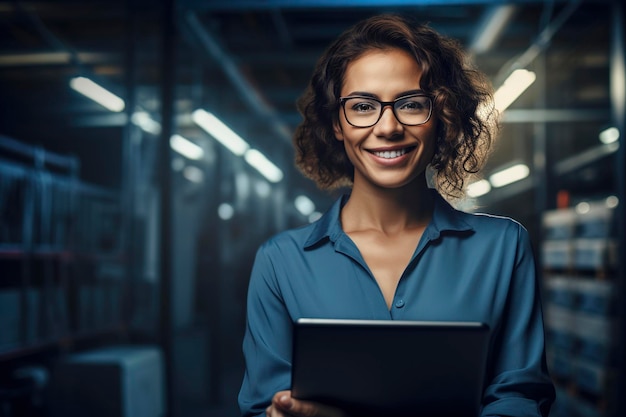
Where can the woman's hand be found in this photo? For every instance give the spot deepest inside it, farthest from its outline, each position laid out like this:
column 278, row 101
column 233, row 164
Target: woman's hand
column 283, row 405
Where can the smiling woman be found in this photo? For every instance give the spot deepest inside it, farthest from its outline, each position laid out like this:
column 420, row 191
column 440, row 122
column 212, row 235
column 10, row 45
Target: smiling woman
column 389, row 99
column 459, row 96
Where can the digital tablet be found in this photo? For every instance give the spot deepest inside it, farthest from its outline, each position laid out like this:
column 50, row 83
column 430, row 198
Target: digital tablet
column 375, row 368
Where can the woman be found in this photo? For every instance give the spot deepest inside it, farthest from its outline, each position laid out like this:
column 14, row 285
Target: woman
column 391, row 108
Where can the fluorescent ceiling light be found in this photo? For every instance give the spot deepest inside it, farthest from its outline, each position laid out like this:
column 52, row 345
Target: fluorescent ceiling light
column 496, row 18
column 97, row 93
column 304, row 205
column 509, row 175
column 185, row 147
column 611, row 201
column 262, row 188
column 193, row 174
column 478, row 188
column 609, row 135
column 583, row 207
column 260, row 162
column 145, row 122
column 513, row 87
column 222, row 133
column 314, row 216
column 225, row 211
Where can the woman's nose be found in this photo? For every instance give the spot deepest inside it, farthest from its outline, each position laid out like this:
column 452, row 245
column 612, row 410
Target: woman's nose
column 388, row 125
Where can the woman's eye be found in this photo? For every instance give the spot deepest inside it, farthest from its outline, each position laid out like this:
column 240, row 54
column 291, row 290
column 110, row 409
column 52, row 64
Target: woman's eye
column 412, row 106
column 362, row 107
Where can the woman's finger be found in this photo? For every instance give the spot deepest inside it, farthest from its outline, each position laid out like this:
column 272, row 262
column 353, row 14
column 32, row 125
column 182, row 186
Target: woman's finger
column 284, row 403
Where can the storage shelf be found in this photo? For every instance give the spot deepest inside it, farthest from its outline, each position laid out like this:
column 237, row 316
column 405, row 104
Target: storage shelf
column 580, row 273
column 62, row 254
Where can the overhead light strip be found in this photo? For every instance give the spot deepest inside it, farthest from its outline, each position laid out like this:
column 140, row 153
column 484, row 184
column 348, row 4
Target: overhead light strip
column 513, row 87
column 260, row 162
column 304, row 205
column 97, row 93
column 222, row 133
column 509, row 175
column 478, row 188
column 495, row 20
column 609, row 135
column 237, row 145
column 186, row 147
column 145, row 122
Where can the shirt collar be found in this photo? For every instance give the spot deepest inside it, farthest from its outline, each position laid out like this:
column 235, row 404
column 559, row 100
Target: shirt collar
column 445, row 218
column 329, row 225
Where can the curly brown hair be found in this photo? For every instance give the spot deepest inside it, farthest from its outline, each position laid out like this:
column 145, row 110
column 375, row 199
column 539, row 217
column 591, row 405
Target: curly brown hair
column 462, row 98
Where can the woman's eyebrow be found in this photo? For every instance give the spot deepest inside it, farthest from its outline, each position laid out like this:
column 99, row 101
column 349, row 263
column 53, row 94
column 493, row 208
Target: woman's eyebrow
column 361, row 94
column 410, row 93
column 366, row 94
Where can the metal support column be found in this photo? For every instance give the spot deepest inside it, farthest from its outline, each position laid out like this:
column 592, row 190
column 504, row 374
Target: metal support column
column 618, row 108
column 543, row 176
column 129, row 179
column 168, row 84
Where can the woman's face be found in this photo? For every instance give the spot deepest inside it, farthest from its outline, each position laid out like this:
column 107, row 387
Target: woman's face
column 387, row 154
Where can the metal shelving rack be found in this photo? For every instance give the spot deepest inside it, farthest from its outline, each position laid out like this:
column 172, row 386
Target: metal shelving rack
column 584, row 268
column 579, row 260
column 62, row 265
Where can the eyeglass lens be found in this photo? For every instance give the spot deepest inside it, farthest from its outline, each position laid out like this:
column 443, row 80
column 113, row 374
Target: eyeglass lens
column 366, row 111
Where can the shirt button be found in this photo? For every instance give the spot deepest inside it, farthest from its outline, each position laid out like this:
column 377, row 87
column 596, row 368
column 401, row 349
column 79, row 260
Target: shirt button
column 399, row 303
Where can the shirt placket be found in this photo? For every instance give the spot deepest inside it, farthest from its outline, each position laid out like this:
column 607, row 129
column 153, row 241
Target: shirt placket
column 400, row 299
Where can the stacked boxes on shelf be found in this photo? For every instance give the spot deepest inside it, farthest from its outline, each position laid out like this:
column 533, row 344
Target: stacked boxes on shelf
column 58, row 236
column 579, row 259
column 99, row 305
column 100, row 294
column 15, row 189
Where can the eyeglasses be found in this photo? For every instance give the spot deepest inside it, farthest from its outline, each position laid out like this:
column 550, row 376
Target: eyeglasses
column 362, row 111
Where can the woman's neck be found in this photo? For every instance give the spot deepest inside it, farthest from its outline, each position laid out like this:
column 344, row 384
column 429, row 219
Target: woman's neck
column 388, row 210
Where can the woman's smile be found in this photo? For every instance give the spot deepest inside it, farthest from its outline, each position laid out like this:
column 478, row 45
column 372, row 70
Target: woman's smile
column 392, row 153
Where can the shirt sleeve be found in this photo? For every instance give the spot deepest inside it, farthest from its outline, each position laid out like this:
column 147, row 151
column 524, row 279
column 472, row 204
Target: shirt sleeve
column 267, row 339
column 520, row 384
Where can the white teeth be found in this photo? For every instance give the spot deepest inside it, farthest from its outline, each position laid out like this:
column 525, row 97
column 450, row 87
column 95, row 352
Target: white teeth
column 390, row 154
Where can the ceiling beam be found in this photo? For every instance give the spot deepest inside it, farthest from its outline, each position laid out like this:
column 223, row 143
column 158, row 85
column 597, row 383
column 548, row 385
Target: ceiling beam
column 53, row 58
column 555, row 115
column 282, row 29
column 585, row 158
column 247, row 91
column 566, row 166
column 99, row 120
column 540, row 43
column 495, row 19
column 292, row 59
column 251, row 5
column 498, row 194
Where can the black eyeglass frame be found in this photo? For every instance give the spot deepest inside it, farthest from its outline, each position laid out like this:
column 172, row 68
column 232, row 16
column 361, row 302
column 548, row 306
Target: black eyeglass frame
column 383, row 104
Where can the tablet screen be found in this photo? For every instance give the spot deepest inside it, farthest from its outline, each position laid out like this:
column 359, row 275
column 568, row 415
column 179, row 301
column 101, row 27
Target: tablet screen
column 386, row 367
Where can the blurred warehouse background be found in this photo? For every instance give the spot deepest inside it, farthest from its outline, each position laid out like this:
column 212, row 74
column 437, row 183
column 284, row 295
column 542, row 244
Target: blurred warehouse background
column 128, row 227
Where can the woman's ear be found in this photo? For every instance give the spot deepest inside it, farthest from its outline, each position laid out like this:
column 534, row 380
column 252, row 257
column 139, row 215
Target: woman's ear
column 338, row 131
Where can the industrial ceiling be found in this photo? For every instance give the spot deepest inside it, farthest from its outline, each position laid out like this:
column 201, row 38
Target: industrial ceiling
column 247, row 61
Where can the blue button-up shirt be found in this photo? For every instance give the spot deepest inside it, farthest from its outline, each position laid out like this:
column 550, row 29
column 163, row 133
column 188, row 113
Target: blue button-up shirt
column 466, row 267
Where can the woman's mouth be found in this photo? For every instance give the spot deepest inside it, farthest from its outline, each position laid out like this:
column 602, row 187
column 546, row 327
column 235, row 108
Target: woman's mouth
column 395, row 153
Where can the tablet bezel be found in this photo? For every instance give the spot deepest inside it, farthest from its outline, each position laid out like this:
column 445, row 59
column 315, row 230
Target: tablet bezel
column 342, row 362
